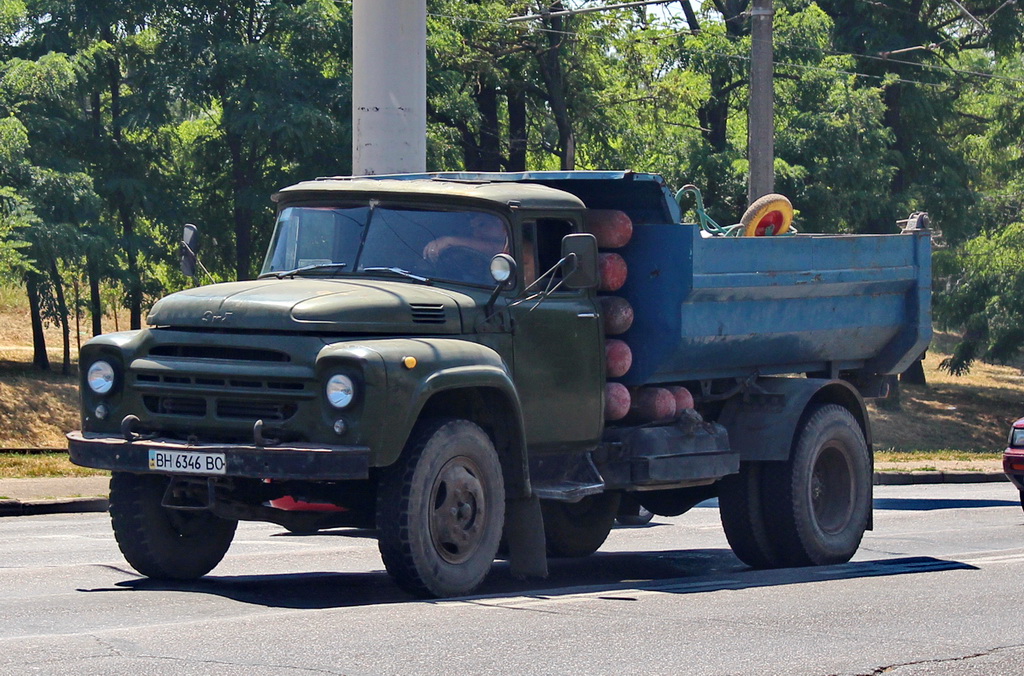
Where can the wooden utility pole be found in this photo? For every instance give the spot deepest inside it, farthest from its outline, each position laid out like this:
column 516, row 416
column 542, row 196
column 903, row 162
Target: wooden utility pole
column 761, row 120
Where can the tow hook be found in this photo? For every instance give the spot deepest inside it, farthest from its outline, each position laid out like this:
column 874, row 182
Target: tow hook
column 127, row 424
column 259, row 439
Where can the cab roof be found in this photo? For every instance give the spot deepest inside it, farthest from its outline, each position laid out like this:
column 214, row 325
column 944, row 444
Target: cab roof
column 504, row 193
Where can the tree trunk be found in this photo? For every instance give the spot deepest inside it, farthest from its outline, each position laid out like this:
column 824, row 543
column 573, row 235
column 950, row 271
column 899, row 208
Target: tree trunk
column 134, row 274
column 241, row 184
column 893, row 118
column 691, row 16
column 95, row 300
column 516, row 131
column 550, row 61
column 62, row 311
column 78, row 314
column 713, row 114
column 471, row 158
column 914, row 375
column 39, row 357
column 124, row 211
column 490, row 129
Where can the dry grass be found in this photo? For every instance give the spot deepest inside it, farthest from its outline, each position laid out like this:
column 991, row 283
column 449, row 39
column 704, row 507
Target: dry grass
column 36, row 407
column 967, row 414
column 24, row 466
column 937, row 456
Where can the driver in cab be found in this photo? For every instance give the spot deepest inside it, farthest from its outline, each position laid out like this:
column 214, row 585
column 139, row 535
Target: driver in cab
column 486, row 235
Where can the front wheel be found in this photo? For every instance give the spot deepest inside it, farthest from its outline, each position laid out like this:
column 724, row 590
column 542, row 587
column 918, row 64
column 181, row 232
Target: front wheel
column 817, row 504
column 441, row 510
column 164, row 543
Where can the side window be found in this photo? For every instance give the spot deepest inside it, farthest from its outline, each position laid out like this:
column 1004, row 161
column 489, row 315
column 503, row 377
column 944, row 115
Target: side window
column 542, row 246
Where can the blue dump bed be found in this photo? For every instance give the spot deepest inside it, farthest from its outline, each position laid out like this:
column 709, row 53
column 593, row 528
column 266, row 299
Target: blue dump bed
column 732, row 306
column 724, row 307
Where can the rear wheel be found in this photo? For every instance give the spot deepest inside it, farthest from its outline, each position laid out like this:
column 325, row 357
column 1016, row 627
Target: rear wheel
column 819, row 501
column 441, row 509
column 574, row 529
column 810, row 510
column 164, row 543
column 741, row 508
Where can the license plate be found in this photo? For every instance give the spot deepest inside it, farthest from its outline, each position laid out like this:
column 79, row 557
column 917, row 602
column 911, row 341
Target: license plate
column 187, row 462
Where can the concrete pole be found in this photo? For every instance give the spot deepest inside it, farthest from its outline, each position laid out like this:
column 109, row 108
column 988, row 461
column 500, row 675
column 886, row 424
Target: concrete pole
column 389, row 86
column 761, row 121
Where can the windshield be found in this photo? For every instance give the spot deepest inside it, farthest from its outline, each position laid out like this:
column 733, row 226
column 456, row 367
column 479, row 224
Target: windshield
column 440, row 245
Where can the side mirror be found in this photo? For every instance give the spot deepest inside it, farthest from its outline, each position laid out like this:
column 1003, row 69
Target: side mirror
column 189, row 250
column 579, row 253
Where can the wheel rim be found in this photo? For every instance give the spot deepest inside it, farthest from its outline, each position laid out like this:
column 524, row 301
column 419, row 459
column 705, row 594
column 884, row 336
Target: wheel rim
column 832, row 489
column 458, row 510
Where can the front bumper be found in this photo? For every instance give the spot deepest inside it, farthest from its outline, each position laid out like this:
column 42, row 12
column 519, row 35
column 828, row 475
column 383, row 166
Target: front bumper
column 296, row 461
column 1013, row 466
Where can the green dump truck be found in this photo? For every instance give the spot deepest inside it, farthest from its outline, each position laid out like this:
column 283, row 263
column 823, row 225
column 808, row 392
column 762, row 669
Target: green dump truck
column 429, row 356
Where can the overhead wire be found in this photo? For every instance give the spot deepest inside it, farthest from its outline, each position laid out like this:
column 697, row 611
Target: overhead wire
column 827, row 52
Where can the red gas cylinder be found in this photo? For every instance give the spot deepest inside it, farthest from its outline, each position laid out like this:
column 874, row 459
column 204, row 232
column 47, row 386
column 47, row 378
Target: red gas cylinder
column 684, row 399
column 613, row 271
column 616, row 314
column 611, row 227
column 618, row 357
column 651, row 404
column 616, row 401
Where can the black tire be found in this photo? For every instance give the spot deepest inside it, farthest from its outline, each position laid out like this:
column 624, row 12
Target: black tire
column 575, row 529
column 632, row 513
column 161, row 543
column 817, row 504
column 1022, row 499
column 740, row 506
column 441, row 510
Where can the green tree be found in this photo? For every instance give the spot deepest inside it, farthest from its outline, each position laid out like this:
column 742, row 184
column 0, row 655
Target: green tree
column 982, row 295
column 266, row 98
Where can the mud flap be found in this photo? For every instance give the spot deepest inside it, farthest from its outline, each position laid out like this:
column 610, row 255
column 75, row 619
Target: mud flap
column 524, row 532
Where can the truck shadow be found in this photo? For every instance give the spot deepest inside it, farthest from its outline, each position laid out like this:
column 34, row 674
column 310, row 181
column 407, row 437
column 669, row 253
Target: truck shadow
column 612, row 576
column 929, row 504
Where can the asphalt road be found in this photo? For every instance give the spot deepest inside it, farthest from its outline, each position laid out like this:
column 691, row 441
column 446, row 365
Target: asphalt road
column 935, row 589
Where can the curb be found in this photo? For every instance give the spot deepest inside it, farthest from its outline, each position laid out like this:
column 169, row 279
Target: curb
column 55, row 506
column 936, row 477
column 82, row 505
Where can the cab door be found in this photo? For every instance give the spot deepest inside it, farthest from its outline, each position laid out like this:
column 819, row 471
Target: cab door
column 558, row 349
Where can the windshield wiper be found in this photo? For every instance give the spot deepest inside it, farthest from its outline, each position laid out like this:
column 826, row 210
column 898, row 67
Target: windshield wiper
column 304, row 268
column 400, row 272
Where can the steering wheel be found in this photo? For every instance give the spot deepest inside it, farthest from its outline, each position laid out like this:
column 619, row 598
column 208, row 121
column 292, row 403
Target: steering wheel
column 464, row 264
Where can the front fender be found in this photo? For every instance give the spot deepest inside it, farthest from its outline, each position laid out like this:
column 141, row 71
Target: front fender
column 441, row 365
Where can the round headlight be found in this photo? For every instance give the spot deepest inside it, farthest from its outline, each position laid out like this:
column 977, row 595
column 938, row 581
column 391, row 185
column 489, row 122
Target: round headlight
column 100, row 377
column 340, row 391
